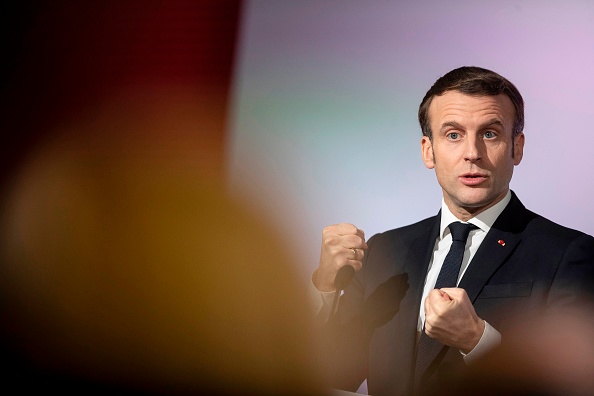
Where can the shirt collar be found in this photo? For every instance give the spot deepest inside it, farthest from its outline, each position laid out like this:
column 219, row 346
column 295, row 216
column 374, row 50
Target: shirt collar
column 483, row 220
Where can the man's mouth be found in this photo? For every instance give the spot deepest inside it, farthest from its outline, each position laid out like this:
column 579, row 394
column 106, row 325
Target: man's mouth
column 473, row 179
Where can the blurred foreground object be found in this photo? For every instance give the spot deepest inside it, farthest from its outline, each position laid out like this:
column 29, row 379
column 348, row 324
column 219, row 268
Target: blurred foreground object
column 124, row 268
column 549, row 354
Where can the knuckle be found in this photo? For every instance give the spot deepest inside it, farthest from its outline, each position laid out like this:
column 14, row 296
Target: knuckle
column 347, row 228
column 334, row 251
column 328, row 230
column 331, row 239
column 355, row 240
column 350, row 228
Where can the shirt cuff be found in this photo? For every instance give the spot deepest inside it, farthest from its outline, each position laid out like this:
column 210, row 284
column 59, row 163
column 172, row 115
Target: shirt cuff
column 490, row 339
column 321, row 302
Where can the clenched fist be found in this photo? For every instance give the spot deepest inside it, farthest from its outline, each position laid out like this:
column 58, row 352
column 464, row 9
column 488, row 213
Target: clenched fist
column 342, row 244
column 451, row 319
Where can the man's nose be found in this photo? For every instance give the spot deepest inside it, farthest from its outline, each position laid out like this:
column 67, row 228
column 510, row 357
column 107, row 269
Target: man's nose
column 473, row 148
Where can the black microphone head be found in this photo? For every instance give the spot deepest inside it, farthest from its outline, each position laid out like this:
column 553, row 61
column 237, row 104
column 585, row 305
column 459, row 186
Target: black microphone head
column 343, row 277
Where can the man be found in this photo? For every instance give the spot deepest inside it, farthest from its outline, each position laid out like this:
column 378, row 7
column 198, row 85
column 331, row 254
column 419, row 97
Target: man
column 512, row 260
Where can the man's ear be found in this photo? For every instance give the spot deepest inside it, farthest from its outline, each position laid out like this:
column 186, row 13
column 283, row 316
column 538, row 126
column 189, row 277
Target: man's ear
column 518, row 148
column 427, row 152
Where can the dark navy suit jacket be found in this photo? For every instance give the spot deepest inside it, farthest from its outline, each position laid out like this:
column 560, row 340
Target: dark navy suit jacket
column 373, row 336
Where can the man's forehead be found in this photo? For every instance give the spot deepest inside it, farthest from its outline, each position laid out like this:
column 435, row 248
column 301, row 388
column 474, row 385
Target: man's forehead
column 453, row 103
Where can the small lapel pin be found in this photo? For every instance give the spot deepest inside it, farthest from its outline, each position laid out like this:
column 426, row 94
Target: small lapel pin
column 501, row 242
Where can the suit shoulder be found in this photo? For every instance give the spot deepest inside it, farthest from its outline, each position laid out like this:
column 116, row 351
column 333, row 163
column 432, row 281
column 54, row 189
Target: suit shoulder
column 520, row 220
column 540, row 225
column 409, row 231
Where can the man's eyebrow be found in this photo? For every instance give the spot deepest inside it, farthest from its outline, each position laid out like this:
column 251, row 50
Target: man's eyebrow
column 450, row 124
column 492, row 122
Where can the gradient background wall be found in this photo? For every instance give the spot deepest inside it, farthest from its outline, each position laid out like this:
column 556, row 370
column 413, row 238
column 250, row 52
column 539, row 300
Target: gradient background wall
column 323, row 120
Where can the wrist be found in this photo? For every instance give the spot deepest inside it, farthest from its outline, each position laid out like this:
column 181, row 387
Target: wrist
column 321, row 286
column 477, row 335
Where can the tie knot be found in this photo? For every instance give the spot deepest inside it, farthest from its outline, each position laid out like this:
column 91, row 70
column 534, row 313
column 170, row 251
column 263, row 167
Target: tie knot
column 460, row 231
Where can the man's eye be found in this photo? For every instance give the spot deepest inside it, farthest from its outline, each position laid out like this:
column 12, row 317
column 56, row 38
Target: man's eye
column 453, row 136
column 490, row 134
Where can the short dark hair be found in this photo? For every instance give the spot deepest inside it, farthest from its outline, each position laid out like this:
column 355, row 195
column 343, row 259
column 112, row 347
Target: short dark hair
column 475, row 81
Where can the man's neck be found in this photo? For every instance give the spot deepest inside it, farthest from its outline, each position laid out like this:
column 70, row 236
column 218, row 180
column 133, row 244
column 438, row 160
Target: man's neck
column 466, row 213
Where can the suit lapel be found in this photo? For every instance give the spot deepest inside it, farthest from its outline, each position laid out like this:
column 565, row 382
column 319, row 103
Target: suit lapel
column 420, row 250
column 487, row 260
column 419, row 257
column 498, row 244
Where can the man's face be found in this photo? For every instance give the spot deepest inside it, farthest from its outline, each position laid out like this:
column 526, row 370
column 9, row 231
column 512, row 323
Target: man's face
column 471, row 150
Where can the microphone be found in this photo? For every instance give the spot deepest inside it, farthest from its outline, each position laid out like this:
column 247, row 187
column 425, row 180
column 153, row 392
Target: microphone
column 343, row 277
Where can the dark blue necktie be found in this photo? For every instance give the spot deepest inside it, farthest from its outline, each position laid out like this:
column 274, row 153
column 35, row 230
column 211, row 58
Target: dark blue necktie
column 448, row 276
column 428, row 348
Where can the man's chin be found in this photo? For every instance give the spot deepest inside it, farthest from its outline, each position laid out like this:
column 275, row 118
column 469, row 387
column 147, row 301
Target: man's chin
column 478, row 203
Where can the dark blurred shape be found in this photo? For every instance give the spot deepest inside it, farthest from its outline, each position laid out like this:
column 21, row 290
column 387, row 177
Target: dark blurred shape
column 63, row 58
column 126, row 266
column 119, row 274
column 542, row 354
column 122, row 273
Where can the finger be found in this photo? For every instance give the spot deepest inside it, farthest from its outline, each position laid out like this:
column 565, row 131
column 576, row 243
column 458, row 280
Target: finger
column 354, row 254
column 444, row 295
column 345, row 229
column 354, row 258
column 360, row 233
column 434, row 303
column 358, row 254
column 353, row 242
column 340, row 235
column 346, row 234
column 348, row 229
column 434, row 295
column 454, row 293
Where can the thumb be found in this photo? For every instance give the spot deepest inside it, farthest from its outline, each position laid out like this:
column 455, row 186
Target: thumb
column 445, row 295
